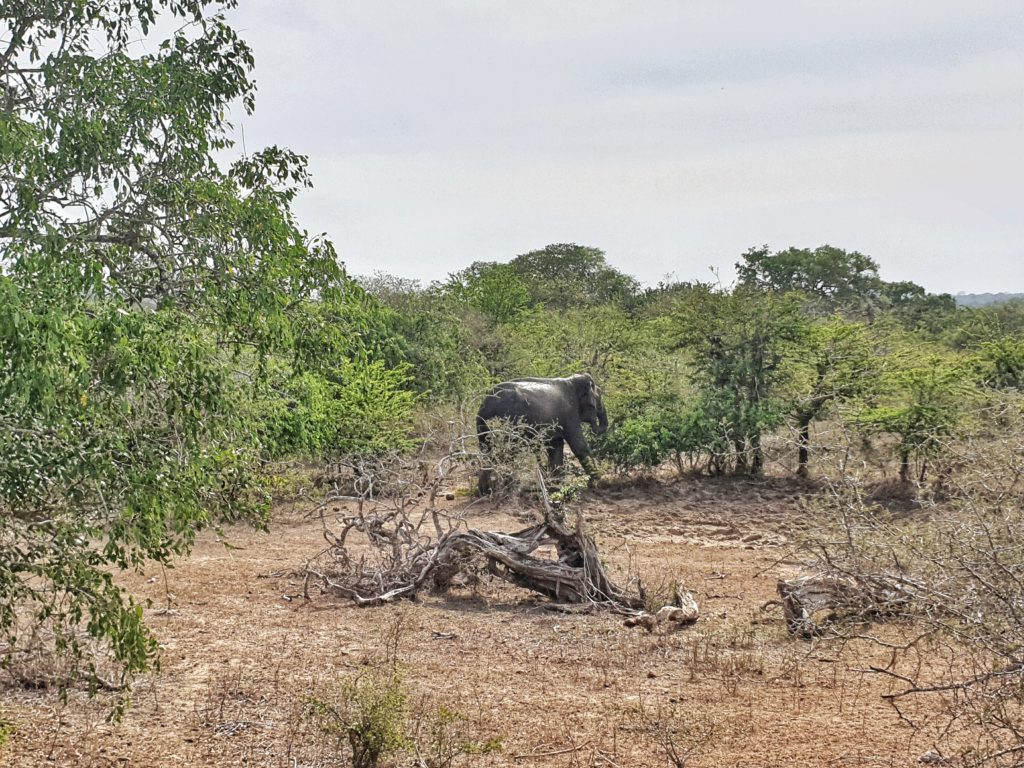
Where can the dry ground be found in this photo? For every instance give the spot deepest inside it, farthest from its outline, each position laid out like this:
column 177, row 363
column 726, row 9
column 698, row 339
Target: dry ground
column 244, row 654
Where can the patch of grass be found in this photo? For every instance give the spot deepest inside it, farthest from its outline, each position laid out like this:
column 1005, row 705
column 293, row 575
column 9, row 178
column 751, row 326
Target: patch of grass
column 7, row 729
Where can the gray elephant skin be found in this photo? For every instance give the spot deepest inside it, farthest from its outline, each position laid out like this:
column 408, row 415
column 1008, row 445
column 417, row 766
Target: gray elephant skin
column 557, row 408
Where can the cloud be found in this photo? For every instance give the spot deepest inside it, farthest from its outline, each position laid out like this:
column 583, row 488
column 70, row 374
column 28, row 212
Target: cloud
column 673, row 135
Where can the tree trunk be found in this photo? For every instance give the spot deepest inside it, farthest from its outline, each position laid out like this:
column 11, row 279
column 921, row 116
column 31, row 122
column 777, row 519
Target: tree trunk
column 804, row 440
column 757, row 462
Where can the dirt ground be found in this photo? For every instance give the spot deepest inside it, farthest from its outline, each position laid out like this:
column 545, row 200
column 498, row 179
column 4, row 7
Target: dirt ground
column 491, row 669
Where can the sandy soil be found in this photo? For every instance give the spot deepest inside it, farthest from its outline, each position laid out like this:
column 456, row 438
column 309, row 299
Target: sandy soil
column 244, row 657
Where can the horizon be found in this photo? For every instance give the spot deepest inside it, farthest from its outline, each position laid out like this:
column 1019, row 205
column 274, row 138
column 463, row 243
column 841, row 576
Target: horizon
column 669, row 278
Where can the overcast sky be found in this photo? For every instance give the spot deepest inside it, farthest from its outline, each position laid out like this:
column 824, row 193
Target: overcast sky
column 672, row 135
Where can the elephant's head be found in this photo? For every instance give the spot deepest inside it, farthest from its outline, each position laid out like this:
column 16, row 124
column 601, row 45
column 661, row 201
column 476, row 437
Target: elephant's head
column 592, row 409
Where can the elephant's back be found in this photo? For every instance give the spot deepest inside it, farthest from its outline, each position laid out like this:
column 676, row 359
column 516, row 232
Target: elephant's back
column 532, row 401
column 499, row 400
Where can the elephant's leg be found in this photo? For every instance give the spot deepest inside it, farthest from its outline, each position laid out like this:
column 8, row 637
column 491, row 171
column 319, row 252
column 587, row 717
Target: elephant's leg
column 484, row 479
column 581, row 451
column 556, row 454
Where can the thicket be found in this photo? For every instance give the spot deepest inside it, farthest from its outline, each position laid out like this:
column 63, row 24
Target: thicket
column 705, row 375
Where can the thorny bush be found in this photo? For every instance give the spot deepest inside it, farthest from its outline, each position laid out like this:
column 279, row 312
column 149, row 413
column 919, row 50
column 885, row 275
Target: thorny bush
column 954, row 570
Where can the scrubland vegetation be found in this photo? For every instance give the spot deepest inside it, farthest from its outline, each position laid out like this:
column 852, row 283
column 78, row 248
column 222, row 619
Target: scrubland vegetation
column 174, row 347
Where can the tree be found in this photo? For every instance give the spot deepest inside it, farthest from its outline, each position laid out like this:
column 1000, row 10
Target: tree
column 918, row 310
column 837, row 363
column 566, row 276
column 143, row 288
column 496, row 290
column 1000, row 363
column 835, row 279
column 449, row 346
column 926, row 399
column 741, row 344
column 597, row 340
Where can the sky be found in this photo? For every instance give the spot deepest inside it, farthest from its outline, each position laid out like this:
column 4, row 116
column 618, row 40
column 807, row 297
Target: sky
column 673, row 135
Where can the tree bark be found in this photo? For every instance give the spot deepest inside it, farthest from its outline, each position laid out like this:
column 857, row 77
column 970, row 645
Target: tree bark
column 804, row 441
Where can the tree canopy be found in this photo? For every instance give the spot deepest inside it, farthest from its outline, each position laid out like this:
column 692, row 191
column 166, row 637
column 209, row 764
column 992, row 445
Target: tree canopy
column 834, row 278
column 566, row 275
column 149, row 297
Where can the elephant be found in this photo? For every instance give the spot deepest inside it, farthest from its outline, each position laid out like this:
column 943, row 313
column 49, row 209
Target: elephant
column 556, row 408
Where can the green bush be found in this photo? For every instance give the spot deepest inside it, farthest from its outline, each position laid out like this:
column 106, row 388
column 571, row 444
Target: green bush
column 1000, row 363
column 369, row 717
column 925, row 405
column 648, row 440
column 362, row 409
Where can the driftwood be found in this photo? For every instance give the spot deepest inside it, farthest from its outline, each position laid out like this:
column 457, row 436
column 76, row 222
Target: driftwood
column 811, row 603
column 412, row 561
column 669, row 617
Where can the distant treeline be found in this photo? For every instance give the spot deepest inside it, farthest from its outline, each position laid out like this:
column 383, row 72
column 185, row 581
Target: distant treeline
column 984, row 299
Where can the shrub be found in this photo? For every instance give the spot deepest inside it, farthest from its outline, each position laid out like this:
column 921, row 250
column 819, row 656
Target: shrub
column 361, row 408
column 369, row 717
column 659, row 434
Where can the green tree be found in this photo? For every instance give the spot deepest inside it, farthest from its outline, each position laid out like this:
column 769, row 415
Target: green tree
column 918, row 310
column 598, row 340
column 974, row 326
column 741, row 344
column 925, row 401
column 835, row 279
column 143, row 289
column 837, row 362
column 566, row 276
column 1000, row 363
column 496, row 290
column 453, row 349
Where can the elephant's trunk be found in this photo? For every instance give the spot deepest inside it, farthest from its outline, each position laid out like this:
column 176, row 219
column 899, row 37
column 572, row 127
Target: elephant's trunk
column 602, row 419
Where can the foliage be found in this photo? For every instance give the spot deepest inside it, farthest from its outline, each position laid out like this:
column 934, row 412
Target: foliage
column 741, row 342
column 598, row 340
column 837, row 363
column 347, row 326
column 7, row 729
column 976, row 326
column 119, row 438
column 497, row 291
column 566, row 276
column 145, row 294
column 1000, row 363
column 924, row 405
column 834, row 278
column 918, row 310
column 369, row 716
column 448, row 350
column 357, row 409
column 445, row 740
column 647, row 440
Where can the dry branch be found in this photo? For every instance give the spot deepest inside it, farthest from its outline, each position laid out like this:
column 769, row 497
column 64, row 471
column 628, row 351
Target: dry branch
column 575, row 576
column 414, row 544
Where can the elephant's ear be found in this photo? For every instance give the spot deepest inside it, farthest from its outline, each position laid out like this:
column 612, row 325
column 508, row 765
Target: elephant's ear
column 586, row 388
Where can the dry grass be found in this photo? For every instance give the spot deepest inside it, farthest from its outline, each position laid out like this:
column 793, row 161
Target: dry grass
column 489, row 673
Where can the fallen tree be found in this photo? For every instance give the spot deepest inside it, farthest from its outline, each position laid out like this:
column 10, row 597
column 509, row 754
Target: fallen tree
column 574, row 575
column 388, row 538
